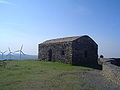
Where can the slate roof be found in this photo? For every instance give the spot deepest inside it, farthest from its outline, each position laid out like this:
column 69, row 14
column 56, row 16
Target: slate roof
column 67, row 39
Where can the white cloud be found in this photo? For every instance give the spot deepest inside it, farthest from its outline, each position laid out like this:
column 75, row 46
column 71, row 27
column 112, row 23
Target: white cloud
column 6, row 2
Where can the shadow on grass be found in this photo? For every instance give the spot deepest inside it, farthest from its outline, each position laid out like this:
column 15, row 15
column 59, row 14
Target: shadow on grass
column 94, row 66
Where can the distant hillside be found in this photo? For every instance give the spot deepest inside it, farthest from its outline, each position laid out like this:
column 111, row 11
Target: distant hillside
column 17, row 57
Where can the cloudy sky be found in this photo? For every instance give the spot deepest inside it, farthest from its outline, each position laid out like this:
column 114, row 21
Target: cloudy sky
column 30, row 22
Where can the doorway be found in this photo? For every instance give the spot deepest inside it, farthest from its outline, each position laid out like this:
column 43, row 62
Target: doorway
column 50, row 55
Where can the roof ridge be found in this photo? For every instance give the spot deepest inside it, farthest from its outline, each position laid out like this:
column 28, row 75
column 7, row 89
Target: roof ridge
column 65, row 39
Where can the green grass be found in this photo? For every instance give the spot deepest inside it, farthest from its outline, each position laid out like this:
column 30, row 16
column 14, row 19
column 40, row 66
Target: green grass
column 37, row 75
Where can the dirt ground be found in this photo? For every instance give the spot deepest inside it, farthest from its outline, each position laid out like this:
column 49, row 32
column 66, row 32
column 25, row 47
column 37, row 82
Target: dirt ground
column 90, row 80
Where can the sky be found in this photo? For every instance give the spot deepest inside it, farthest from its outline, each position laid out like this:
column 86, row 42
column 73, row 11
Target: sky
column 30, row 22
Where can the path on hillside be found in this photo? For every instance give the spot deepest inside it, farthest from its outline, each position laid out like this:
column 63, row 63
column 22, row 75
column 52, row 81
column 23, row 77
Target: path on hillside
column 83, row 80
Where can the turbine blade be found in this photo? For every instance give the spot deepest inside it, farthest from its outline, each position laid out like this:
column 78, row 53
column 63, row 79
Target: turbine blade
column 17, row 51
column 4, row 51
column 21, row 47
column 9, row 49
column 22, row 52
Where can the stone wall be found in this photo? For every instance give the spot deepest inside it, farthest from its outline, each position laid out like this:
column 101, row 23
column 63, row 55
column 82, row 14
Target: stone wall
column 60, row 52
column 84, row 51
column 111, row 72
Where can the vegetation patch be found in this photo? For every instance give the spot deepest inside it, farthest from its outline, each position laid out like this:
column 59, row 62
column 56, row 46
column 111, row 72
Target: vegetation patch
column 40, row 75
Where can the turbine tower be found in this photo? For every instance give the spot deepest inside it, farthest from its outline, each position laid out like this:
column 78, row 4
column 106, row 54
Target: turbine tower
column 3, row 54
column 20, row 51
column 10, row 53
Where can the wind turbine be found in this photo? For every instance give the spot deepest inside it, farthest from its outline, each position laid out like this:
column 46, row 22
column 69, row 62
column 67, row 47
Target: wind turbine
column 10, row 53
column 3, row 53
column 20, row 51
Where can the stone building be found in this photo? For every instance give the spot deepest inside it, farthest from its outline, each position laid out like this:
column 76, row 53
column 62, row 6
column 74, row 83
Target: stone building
column 78, row 50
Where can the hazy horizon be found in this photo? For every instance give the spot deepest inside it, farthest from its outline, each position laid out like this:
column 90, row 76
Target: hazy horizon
column 30, row 22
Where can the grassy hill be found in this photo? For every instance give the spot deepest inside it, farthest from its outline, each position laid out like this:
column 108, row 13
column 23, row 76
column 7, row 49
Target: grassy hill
column 29, row 74
column 39, row 75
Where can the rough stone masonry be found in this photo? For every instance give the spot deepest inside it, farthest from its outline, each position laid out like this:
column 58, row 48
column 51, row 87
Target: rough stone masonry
column 77, row 50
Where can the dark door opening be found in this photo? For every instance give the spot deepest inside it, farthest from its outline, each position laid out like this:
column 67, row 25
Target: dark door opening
column 50, row 55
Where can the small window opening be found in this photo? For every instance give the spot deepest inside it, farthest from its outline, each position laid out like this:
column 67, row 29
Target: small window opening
column 86, row 54
column 62, row 53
